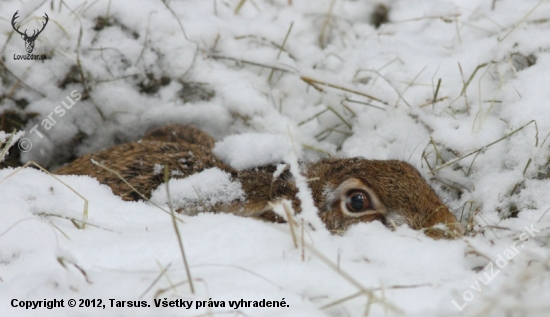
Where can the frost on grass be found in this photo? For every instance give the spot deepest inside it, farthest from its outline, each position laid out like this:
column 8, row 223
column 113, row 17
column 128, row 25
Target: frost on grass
column 7, row 140
column 200, row 191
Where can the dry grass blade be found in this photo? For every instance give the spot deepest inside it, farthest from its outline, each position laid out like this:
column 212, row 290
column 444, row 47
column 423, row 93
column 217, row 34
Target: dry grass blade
column 357, row 79
column 485, row 147
column 240, row 268
column 363, row 290
column 303, row 227
column 6, row 147
column 261, row 39
column 312, row 117
column 71, row 219
column 290, row 224
column 348, row 109
column 31, row 218
column 457, row 29
column 304, row 192
column 472, row 164
column 447, row 18
column 492, row 101
column 425, row 155
column 355, row 295
column 241, row 4
column 146, row 39
column 20, row 81
column 167, row 277
column 474, row 251
column 281, row 50
column 249, row 62
column 316, row 149
column 164, row 269
column 132, row 187
column 176, row 229
column 313, row 82
column 84, row 213
column 436, row 91
column 364, row 103
column 430, row 102
column 323, row 37
column 323, row 135
column 544, row 141
column 173, row 286
column 520, row 21
column 437, row 153
column 467, row 83
column 471, row 203
column 527, row 165
column 175, row 16
column 413, row 81
column 185, row 36
column 79, row 64
column 544, row 214
column 59, row 229
column 339, row 117
column 425, row 158
column 62, row 261
column 395, row 89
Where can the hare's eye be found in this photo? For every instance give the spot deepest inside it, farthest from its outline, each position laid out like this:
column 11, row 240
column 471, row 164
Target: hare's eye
column 358, row 201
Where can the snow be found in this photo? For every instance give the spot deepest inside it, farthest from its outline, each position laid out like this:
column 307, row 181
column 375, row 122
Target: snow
column 248, row 150
column 205, row 189
column 493, row 64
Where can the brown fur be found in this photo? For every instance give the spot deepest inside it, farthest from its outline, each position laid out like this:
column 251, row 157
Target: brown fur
column 180, row 134
column 398, row 190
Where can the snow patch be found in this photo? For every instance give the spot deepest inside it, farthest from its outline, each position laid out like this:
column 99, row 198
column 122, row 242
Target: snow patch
column 247, row 150
column 199, row 191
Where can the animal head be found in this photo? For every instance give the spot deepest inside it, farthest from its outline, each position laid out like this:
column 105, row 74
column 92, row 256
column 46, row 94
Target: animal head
column 348, row 191
column 29, row 40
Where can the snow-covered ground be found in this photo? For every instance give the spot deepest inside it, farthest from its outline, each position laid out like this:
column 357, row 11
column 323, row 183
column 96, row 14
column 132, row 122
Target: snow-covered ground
column 457, row 88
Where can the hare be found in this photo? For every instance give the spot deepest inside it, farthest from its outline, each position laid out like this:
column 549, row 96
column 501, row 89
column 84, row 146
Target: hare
column 346, row 191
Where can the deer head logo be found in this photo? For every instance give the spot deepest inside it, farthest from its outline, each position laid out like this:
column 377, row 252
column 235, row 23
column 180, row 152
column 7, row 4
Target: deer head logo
column 29, row 40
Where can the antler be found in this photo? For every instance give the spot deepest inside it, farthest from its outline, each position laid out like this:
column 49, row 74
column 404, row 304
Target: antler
column 34, row 34
column 43, row 25
column 13, row 24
